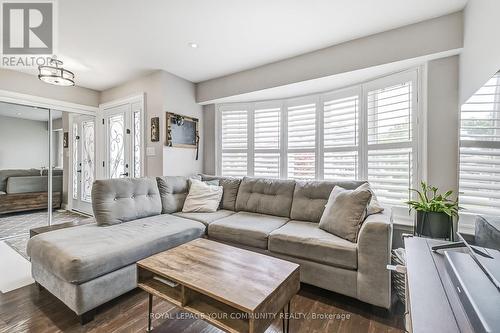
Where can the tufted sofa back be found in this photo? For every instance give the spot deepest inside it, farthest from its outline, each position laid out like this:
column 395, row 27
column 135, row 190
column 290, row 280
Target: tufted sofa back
column 120, row 200
column 173, row 192
column 310, row 198
column 265, row 196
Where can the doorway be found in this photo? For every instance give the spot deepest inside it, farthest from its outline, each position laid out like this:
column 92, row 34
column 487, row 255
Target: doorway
column 123, row 137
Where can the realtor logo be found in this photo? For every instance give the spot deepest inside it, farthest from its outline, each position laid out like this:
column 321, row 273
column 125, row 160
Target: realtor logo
column 27, row 28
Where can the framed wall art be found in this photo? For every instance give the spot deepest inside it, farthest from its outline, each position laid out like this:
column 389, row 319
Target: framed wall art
column 155, row 129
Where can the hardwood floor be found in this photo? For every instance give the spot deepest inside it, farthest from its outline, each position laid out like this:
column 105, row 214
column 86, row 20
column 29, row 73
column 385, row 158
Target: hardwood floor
column 29, row 310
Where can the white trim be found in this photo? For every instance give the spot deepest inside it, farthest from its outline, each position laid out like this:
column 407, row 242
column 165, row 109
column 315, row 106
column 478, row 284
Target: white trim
column 284, row 141
column 121, row 101
column 251, row 140
column 319, row 157
column 47, row 103
column 101, row 150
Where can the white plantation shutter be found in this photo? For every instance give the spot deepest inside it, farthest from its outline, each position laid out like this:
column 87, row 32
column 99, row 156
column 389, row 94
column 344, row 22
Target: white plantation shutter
column 480, row 150
column 390, row 144
column 301, row 134
column 390, row 174
column 234, row 142
column 340, row 136
column 267, row 125
column 363, row 132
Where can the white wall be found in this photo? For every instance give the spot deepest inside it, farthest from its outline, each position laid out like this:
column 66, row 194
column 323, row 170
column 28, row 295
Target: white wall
column 428, row 37
column 480, row 58
column 179, row 97
column 30, row 84
column 164, row 92
column 442, row 123
column 24, row 143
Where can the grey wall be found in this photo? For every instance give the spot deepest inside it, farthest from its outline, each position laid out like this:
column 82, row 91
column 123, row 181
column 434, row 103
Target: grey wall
column 29, row 84
column 179, row 97
column 443, row 123
column 480, row 58
column 23, row 143
column 151, row 86
column 209, row 166
column 164, row 92
column 420, row 39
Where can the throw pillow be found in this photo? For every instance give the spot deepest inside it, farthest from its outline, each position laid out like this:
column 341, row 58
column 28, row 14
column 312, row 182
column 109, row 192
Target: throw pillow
column 202, row 197
column 345, row 211
column 374, row 207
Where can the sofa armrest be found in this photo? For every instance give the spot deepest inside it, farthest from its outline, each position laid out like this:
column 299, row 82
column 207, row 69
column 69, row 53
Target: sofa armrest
column 374, row 253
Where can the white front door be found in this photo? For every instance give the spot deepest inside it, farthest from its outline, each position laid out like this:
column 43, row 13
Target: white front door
column 83, row 159
column 123, row 137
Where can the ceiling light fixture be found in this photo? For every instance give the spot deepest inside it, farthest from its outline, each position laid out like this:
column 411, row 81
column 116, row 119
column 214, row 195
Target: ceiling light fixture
column 193, row 45
column 55, row 74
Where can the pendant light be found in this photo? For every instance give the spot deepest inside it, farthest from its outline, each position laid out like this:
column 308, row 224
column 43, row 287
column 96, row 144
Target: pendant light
column 55, row 74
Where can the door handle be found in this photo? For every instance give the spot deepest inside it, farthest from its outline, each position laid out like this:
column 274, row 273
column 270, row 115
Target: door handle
column 80, row 171
column 124, row 174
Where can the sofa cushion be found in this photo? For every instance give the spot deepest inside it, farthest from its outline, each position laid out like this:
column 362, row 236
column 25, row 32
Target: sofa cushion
column 265, row 196
column 173, row 192
column 124, row 199
column 305, row 240
column 83, row 253
column 251, row 229
column 5, row 174
column 310, row 198
column 206, row 218
column 230, row 187
column 30, row 184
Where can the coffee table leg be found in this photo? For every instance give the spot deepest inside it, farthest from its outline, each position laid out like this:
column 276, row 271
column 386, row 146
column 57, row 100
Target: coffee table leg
column 283, row 319
column 286, row 318
column 150, row 311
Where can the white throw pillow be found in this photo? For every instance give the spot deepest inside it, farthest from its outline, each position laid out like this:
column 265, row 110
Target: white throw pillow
column 202, row 197
column 374, row 206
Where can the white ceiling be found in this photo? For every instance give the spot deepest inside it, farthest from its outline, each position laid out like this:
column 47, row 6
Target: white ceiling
column 27, row 112
column 108, row 42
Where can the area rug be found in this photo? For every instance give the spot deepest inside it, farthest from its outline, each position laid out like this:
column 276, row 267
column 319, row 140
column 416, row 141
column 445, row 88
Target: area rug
column 19, row 245
column 15, row 227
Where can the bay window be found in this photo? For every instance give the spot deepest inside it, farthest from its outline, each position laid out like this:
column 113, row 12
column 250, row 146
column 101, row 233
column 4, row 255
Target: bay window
column 368, row 131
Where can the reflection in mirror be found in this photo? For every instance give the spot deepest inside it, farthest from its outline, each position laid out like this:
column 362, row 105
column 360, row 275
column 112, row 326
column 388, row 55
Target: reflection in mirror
column 25, row 152
column 24, row 163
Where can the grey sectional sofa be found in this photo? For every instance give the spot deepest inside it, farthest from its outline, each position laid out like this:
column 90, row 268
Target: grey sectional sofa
column 89, row 265
column 26, row 189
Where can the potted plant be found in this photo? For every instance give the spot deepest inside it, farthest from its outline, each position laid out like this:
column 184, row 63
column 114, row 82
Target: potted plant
column 435, row 212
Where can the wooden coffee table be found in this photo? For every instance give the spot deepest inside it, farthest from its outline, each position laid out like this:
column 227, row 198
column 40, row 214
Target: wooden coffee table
column 233, row 289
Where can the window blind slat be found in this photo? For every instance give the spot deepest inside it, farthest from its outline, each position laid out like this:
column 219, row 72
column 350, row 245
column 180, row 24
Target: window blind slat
column 340, row 124
column 234, row 137
column 301, row 123
column 479, row 181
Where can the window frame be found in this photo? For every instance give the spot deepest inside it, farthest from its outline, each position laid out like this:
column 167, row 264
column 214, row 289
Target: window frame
column 361, row 90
